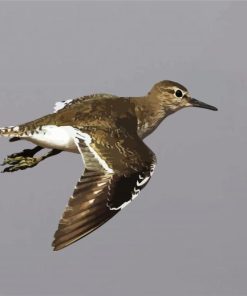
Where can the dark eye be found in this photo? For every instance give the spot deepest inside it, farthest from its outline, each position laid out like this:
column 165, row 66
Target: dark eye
column 178, row 93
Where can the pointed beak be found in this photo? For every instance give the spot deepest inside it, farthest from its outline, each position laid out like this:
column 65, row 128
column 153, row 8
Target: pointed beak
column 196, row 103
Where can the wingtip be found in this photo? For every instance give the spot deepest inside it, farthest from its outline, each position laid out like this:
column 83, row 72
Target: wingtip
column 56, row 247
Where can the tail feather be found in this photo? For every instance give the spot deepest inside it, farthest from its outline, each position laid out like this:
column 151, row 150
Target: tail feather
column 10, row 131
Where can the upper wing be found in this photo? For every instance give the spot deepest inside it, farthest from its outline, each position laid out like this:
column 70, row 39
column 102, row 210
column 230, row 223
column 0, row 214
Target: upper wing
column 117, row 167
column 67, row 103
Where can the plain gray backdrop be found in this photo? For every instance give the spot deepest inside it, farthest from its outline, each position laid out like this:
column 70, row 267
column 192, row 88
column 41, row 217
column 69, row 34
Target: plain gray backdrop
column 186, row 233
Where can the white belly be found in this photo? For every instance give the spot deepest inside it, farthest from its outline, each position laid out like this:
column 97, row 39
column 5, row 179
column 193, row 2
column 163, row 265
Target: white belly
column 55, row 137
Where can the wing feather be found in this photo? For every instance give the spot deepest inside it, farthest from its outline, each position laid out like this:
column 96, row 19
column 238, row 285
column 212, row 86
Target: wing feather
column 111, row 179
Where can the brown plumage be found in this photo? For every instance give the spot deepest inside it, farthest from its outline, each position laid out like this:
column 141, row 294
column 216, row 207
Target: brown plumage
column 107, row 131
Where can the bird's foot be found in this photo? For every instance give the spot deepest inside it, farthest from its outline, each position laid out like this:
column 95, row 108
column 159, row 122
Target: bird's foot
column 17, row 163
column 21, row 160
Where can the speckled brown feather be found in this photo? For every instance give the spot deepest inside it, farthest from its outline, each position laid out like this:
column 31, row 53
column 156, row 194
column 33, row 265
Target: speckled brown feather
column 88, row 207
column 117, row 162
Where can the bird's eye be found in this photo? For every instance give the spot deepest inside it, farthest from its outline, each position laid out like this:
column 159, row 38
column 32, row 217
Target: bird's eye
column 178, row 93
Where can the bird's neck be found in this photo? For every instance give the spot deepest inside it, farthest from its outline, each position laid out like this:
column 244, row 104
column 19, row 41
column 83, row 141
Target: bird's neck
column 150, row 114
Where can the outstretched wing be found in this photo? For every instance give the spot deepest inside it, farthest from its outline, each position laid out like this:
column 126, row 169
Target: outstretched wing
column 117, row 166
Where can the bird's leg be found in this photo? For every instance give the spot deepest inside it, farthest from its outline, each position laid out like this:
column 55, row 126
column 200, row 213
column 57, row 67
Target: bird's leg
column 51, row 153
column 26, row 159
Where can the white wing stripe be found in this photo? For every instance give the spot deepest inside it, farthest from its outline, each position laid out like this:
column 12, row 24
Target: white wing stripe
column 143, row 181
column 136, row 189
column 87, row 140
column 122, row 206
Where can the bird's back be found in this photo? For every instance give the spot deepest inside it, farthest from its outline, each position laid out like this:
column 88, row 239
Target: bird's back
column 96, row 111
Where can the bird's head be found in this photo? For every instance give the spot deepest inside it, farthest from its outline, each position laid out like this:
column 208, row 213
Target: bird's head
column 174, row 96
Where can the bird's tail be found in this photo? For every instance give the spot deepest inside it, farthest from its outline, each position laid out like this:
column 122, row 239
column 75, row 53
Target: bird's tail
column 9, row 132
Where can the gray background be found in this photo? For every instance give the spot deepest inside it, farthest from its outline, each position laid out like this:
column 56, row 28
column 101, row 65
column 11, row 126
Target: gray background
column 186, row 233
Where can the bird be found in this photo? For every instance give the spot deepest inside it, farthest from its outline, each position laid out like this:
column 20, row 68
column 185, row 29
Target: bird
column 108, row 132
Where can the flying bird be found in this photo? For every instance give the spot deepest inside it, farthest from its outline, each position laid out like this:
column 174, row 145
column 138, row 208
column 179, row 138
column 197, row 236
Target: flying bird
column 108, row 132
